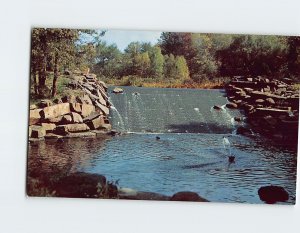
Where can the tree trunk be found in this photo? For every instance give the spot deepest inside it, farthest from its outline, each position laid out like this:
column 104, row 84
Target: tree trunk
column 55, row 75
column 34, row 75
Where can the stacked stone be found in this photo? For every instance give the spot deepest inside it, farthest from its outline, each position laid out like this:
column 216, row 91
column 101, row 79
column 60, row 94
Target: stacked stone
column 72, row 116
column 272, row 107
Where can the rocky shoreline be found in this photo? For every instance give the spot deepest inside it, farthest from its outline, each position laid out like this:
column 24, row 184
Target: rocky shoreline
column 271, row 107
column 81, row 115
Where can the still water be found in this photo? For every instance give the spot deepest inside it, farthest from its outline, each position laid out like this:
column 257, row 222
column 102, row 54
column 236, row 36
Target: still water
column 189, row 155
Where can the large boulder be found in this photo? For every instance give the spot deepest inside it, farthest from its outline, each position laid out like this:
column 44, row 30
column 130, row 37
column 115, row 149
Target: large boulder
column 87, row 109
column 66, row 119
column 80, row 184
column 76, row 107
column 103, row 108
column 92, row 116
column 34, row 116
column 49, row 127
column 76, row 117
column 272, row 194
column 187, row 196
column 95, row 123
column 56, row 110
column 65, row 129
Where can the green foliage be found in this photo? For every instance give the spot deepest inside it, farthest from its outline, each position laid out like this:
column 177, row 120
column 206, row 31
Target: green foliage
column 254, row 55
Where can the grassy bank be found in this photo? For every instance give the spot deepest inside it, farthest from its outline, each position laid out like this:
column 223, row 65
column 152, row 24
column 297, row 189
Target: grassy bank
column 167, row 83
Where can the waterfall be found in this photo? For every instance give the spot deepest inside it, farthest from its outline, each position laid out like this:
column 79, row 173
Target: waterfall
column 162, row 110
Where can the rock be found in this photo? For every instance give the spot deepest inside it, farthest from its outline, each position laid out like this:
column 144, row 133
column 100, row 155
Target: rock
column 35, row 113
column 37, row 131
column 238, row 119
column 76, row 117
column 56, row 110
column 103, row 85
column 272, row 112
column 57, row 101
column 187, row 196
column 80, row 184
column 92, row 116
column 270, row 120
column 67, row 119
column 70, row 128
column 106, row 127
column 75, row 107
column 95, row 123
column 45, row 103
column 54, row 120
column 87, row 100
column 259, row 101
column 53, row 136
column 270, row 101
column 217, row 107
column 272, row 194
column 49, row 127
column 81, row 135
column 103, row 108
column 69, row 99
column 34, row 116
column 117, row 90
column 33, row 106
column 231, row 105
column 130, row 194
column 87, row 109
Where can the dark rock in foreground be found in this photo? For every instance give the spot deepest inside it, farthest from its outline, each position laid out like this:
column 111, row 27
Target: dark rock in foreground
column 272, row 194
column 187, row 196
column 80, row 185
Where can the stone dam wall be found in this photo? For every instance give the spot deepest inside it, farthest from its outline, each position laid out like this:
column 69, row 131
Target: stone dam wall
column 81, row 115
column 271, row 107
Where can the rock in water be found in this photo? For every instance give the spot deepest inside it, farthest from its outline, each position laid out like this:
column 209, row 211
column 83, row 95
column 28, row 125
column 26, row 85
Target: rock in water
column 231, row 105
column 187, row 196
column 118, row 90
column 217, row 107
column 272, row 194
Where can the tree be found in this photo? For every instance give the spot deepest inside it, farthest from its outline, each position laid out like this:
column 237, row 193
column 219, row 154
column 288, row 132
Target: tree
column 254, row 55
column 57, row 48
column 181, row 68
column 179, row 44
column 157, row 62
column 293, row 55
column 108, row 60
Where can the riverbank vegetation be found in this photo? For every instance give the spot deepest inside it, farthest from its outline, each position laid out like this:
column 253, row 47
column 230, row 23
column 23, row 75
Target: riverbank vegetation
column 179, row 60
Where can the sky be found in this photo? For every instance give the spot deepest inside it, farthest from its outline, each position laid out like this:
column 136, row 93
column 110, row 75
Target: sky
column 123, row 37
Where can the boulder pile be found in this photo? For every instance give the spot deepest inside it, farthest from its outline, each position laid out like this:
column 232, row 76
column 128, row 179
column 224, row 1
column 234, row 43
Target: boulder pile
column 271, row 106
column 82, row 115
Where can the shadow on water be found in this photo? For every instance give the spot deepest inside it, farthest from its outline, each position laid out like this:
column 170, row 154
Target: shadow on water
column 200, row 127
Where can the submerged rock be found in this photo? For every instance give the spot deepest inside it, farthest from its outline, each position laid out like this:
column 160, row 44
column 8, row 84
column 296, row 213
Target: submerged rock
column 272, row 194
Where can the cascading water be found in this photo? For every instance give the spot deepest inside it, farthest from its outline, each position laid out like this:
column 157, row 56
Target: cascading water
column 172, row 110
